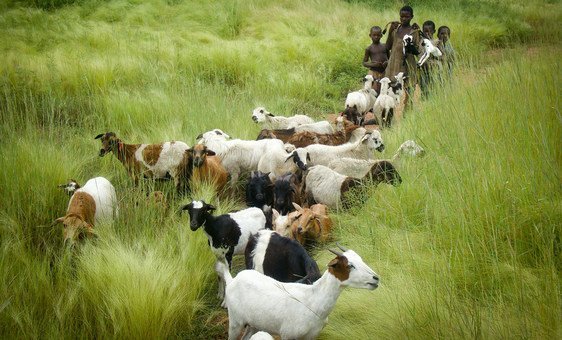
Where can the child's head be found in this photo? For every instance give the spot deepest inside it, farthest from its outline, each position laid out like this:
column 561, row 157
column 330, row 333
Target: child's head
column 428, row 28
column 376, row 34
column 443, row 33
column 406, row 15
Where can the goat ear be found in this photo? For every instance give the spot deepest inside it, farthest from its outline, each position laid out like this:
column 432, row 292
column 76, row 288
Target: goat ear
column 298, row 207
column 211, row 207
column 99, row 136
column 210, row 153
column 308, row 157
column 199, row 136
column 270, row 115
column 333, row 263
column 275, row 213
column 57, row 221
column 290, row 156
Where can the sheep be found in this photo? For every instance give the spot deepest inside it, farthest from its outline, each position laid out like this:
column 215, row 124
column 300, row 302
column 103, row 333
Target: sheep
column 238, row 155
column 265, row 304
column 362, row 148
column 94, row 203
column 287, row 189
column 358, row 103
column 312, row 224
column 385, row 104
column 150, row 160
column 259, row 190
column 429, row 50
column 228, row 234
column 261, row 115
column 200, row 164
column 278, row 162
column 326, row 186
column 281, row 258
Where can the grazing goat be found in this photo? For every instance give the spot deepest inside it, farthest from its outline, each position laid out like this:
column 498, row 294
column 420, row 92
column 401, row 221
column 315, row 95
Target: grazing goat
column 358, row 103
column 201, row 165
column 91, row 204
column 281, row 258
column 362, row 149
column 326, row 186
column 259, row 190
column 429, row 50
column 312, row 224
column 238, row 156
column 265, row 304
column 150, row 160
column 287, row 189
column 262, row 116
column 228, row 234
column 384, row 105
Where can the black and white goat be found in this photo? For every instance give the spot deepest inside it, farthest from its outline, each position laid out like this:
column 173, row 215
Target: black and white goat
column 228, row 234
column 259, row 190
column 281, row 258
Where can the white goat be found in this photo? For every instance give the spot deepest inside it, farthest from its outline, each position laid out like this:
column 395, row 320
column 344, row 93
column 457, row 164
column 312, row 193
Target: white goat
column 362, row 148
column 326, row 186
column 91, row 204
column 264, row 304
column 358, row 103
column 278, row 161
column 385, row 104
column 269, row 121
column 239, row 155
column 430, row 50
column 396, row 90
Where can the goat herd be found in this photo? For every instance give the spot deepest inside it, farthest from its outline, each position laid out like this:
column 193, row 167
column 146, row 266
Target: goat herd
column 298, row 170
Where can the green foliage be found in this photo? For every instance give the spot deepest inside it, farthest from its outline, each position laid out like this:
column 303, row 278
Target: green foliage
column 467, row 247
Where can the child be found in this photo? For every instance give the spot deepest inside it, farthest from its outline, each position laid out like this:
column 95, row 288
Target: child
column 377, row 53
column 396, row 58
column 432, row 65
column 448, row 58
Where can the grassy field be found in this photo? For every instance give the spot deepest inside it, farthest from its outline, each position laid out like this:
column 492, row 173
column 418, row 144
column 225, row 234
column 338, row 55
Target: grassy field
column 469, row 246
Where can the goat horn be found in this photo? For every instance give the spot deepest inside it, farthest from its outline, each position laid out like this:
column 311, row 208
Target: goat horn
column 340, row 246
column 336, row 252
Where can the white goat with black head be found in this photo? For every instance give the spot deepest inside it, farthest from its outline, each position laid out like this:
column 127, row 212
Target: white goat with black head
column 264, row 304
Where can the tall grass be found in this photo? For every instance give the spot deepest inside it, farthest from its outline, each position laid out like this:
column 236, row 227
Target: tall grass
column 468, row 246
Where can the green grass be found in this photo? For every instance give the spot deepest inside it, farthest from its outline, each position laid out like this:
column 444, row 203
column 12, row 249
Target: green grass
column 467, row 247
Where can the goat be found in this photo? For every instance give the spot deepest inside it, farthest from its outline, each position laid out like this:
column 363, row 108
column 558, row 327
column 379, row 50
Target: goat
column 238, row 155
column 281, row 258
column 326, row 186
column 228, row 234
column 201, row 165
column 345, row 130
column 384, row 105
column 262, row 303
column 91, row 204
column 150, row 160
column 278, row 162
column 408, row 47
column 282, row 224
column 259, row 190
column 261, row 115
column 429, row 50
column 362, row 148
column 358, row 103
column 286, row 190
column 312, row 224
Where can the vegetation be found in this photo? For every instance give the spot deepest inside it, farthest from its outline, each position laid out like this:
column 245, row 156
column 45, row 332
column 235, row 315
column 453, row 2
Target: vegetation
column 467, row 247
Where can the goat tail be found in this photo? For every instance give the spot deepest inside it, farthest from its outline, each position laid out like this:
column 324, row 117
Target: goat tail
column 221, row 266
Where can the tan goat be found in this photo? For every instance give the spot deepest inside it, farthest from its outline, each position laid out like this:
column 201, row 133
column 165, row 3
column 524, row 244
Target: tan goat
column 313, row 224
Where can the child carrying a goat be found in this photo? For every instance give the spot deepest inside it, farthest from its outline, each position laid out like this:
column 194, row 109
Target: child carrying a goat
column 376, row 56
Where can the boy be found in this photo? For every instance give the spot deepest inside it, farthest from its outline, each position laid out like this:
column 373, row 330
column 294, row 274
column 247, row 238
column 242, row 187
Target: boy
column 444, row 34
column 432, row 65
column 394, row 43
column 377, row 53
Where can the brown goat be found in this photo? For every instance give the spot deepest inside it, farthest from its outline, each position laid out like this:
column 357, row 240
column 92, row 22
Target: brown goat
column 79, row 219
column 149, row 160
column 313, row 224
column 205, row 166
column 344, row 130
